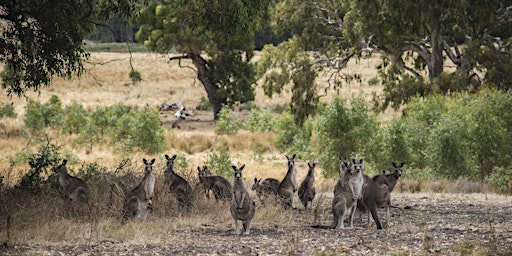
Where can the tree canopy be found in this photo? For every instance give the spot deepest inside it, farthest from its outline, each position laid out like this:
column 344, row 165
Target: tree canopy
column 42, row 39
column 218, row 36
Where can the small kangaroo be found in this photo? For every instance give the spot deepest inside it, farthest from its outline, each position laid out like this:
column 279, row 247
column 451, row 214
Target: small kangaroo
column 73, row 188
column 377, row 194
column 346, row 197
column 265, row 188
column 219, row 185
column 307, row 190
column 288, row 185
column 178, row 185
column 242, row 206
column 139, row 201
column 343, row 181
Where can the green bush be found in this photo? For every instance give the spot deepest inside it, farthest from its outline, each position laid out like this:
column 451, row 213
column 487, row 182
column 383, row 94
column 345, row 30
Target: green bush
column 343, row 130
column 91, row 171
column 7, row 110
column 219, row 162
column 501, row 179
column 228, row 123
column 39, row 116
column 286, row 129
column 135, row 76
column 260, row 121
column 75, row 118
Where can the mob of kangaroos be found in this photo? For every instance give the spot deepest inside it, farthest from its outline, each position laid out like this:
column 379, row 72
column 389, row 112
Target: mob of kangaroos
column 288, row 186
column 178, row 186
column 73, row 188
column 307, row 190
column 347, row 194
column 220, row 187
column 377, row 193
column 139, row 201
column 242, row 206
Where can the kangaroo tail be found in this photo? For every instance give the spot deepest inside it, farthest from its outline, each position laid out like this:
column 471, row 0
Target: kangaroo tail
column 323, row 226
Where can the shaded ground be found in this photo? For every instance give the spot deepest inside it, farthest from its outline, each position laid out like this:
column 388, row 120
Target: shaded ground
column 432, row 224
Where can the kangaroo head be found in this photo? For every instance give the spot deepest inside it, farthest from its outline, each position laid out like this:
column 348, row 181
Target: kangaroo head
column 203, row 172
column 311, row 170
column 62, row 167
column 398, row 168
column 344, row 167
column 238, row 172
column 357, row 166
column 169, row 167
column 291, row 161
column 148, row 165
column 256, row 184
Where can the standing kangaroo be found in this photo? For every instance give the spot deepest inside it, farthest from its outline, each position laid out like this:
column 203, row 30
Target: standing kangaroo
column 265, row 188
column 346, row 196
column 178, row 186
column 307, row 187
column 219, row 185
column 288, row 185
column 73, row 188
column 242, row 206
column 139, row 201
column 377, row 193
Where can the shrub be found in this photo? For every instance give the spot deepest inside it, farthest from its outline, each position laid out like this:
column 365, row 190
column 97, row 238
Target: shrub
column 286, row 128
column 75, row 118
column 91, row 171
column 7, row 110
column 501, row 179
column 39, row 116
column 228, row 123
column 260, row 121
column 219, row 163
column 135, row 76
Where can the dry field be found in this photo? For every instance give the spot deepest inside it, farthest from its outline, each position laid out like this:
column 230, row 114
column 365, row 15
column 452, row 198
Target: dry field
column 427, row 223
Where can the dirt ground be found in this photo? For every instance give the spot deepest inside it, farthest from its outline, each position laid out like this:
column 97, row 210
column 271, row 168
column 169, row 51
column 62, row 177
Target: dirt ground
column 423, row 224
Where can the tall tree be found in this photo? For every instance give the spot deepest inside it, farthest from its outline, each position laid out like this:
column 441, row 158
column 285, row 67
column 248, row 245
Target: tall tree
column 217, row 36
column 42, row 39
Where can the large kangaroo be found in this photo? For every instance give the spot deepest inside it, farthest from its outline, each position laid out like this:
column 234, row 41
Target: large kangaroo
column 73, row 188
column 242, row 206
column 346, row 197
column 139, row 201
column 288, row 185
column 377, row 193
column 265, row 188
column 219, row 185
column 307, row 190
column 179, row 187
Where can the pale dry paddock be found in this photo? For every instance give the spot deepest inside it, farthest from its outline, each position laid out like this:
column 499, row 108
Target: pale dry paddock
column 430, row 224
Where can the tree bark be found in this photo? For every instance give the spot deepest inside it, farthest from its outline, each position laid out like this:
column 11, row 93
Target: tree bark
column 437, row 45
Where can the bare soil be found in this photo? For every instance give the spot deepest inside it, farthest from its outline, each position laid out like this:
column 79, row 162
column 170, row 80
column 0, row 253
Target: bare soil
column 423, row 224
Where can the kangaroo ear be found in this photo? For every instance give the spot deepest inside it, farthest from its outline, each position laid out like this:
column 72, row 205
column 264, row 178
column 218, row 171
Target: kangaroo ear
column 234, row 168
column 167, row 157
column 361, row 161
column 294, row 155
column 383, row 171
column 173, row 157
column 144, row 161
column 152, row 161
column 394, row 164
column 341, row 158
column 255, row 180
column 64, row 162
column 199, row 169
column 242, row 167
column 353, row 160
column 402, row 164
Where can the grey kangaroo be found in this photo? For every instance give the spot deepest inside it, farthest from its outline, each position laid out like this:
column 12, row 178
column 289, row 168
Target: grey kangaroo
column 346, row 196
column 219, row 185
column 178, row 186
column 73, row 188
column 307, row 190
column 288, row 185
column 377, row 193
column 139, row 201
column 265, row 189
column 242, row 206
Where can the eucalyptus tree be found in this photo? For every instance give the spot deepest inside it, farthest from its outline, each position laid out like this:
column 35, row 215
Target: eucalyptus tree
column 42, row 39
column 217, row 36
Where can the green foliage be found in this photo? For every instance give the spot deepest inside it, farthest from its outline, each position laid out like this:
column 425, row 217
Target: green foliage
column 260, row 121
column 7, row 110
column 135, row 76
column 41, row 165
column 75, row 118
column 501, row 179
column 91, row 171
column 343, row 130
column 46, row 40
column 285, row 132
column 39, row 116
column 219, row 162
column 228, row 123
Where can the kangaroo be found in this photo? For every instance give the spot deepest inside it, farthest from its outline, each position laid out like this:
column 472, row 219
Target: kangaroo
column 73, row 188
column 265, row 188
column 219, row 185
column 288, row 185
column 343, row 181
column 346, row 197
column 178, row 185
column 139, row 201
column 377, row 193
column 307, row 187
column 242, row 206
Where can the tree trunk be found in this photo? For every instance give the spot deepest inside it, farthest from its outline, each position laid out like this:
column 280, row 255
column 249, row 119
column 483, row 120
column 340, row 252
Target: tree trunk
column 437, row 45
column 211, row 88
